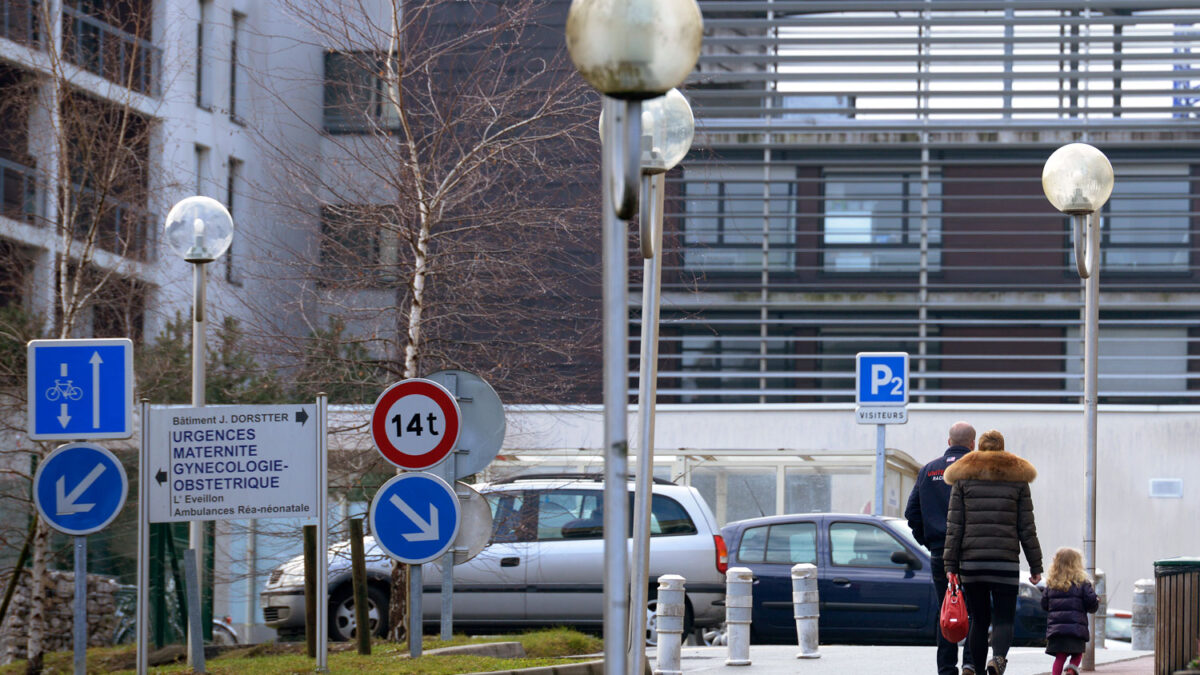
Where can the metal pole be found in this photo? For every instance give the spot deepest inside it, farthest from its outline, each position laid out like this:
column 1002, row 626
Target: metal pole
column 652, row 203
column 616, row 363
column 143, row 544
column 191, row 572
column 251, row 581
column 880, row 466
column 414, row 611
column 80, row 627
column 199, row 344
column 322, row 537
column 447, row 632
column 1091, row 346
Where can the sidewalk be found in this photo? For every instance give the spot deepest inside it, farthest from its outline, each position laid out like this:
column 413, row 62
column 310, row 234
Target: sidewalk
column 843, row 659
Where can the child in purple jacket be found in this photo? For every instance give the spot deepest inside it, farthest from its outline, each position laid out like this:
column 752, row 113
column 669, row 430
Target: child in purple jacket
column 1068, row 599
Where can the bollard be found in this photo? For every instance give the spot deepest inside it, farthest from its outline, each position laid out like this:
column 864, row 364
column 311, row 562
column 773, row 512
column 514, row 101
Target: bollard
column 807, row 609
column 1101, row 613
column 1143, row 615
column 738, row 606
column 668, row 613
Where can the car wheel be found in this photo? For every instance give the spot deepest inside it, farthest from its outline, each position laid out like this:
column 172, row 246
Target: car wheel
column 342, row 623
column 223, row 634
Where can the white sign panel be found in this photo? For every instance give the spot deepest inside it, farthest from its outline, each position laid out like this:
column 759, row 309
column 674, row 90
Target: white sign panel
column 233, row 462
column 886, row 414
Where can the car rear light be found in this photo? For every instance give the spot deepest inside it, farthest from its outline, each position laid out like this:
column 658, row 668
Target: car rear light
column 722, row 554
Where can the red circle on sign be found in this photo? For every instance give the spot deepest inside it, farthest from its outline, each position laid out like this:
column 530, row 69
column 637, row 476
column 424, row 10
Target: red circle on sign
column 379, row 421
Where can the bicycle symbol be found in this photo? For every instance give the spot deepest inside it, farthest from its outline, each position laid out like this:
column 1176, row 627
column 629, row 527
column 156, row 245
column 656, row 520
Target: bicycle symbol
column 65, row 389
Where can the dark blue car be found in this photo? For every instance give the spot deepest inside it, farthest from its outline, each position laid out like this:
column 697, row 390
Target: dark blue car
column 872, row 576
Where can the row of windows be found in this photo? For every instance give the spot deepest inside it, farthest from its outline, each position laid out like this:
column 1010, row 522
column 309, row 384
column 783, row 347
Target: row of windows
column 871, row 222
column 850, row 545
column 552, row 515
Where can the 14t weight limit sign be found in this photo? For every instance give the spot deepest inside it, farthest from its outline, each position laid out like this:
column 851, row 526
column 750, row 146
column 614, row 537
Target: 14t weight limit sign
column 415, row 424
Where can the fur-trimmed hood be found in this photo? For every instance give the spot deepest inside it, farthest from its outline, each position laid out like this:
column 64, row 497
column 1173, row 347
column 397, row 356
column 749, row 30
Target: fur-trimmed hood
column 1001, row 466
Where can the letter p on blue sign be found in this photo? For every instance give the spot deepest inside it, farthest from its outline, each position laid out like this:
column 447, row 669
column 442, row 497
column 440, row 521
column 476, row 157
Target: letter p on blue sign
column 881, row 378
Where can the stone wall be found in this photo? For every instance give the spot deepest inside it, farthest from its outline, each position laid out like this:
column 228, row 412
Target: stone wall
column 101, row 614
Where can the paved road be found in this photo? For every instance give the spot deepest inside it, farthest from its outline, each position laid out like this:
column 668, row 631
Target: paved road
column 849, row 659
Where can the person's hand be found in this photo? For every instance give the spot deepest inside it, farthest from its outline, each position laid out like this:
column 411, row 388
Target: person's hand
column 1035, row 579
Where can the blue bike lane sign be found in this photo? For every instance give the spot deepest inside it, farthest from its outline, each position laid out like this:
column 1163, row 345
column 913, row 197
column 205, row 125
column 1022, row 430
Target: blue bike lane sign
column 415, row 517
column 79, row 488
column 80, row 389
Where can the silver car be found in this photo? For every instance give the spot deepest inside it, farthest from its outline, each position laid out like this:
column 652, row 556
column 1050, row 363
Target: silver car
column 544, row 565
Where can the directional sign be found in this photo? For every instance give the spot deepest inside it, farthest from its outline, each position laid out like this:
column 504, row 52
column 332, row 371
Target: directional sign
column 80, row 389
column 415, row 517
column 881, row 378
column 79, row 488
column 415, row 423
column 232, row 462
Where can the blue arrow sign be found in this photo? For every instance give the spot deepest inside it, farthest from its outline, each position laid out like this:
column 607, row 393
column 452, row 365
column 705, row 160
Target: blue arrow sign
column 80, row 389
column 79, row 488
column 415, row 517
column 881, row 378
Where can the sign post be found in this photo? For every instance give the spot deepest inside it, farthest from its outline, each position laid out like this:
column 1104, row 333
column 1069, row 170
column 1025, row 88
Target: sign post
column 415, row 425
column 78, row 489
column 881, row 395
column 482, row 434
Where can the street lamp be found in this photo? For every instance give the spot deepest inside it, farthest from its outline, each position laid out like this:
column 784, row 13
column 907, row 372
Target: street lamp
column 629, row 50
column 199, row 230
column 667, row 131
column 1078, row 180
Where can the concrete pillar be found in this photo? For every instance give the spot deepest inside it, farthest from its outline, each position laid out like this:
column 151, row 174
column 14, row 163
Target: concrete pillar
column 807, row 609
column 669, row 613
column 1143, row 615
column 738, row 606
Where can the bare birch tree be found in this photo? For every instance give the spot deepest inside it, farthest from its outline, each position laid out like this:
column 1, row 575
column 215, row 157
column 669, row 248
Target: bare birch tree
column 89, row 189
column 453, row 190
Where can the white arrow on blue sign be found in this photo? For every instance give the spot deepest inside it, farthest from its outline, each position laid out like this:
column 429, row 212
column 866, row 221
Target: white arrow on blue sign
column 80, row 389
column 881, row 378
column 79, row 488
column 415, row 517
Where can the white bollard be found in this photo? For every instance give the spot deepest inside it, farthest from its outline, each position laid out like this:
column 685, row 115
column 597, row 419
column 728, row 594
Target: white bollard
column 807, row 609
column 669, row 611
column 739, row 603
column 1143, row 615
column 1102, row 612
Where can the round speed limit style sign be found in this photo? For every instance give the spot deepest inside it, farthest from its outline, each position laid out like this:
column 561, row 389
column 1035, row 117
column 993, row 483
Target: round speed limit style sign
column 415, row 424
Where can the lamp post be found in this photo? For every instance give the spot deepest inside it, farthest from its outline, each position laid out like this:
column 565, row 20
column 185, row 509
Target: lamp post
column 628, row 50
column 199, row 230
column 1078, row 180
column 667, row 131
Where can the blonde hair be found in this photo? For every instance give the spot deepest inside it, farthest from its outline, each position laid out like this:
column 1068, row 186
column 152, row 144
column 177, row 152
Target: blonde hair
column 1066, row 569
column 991, row 441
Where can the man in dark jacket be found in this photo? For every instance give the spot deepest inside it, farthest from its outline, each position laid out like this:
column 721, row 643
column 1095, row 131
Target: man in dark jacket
column 926, row 514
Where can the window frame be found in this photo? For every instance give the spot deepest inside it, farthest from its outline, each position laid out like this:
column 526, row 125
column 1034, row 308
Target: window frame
column 909, row 217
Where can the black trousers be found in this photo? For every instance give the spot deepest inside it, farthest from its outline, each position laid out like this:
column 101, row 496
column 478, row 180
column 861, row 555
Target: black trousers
column 990, row 603
column 947, row 651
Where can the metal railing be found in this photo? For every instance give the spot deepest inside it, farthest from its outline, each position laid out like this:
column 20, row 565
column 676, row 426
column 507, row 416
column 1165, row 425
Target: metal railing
column 110, row 52
column 866, row 177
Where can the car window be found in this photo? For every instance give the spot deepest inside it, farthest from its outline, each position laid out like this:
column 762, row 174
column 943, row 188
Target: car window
column 792, row 543
column 900, row 526
column 509, row 519
column 787, row 543
column 570, row 514
column 754, row 545
column 667, row 517
column 862, row 545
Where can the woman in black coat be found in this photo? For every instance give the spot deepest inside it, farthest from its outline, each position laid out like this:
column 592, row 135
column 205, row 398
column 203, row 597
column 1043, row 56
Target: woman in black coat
column 989, row 522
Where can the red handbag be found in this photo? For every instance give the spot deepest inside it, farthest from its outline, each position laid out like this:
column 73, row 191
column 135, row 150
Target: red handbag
column 954, row 611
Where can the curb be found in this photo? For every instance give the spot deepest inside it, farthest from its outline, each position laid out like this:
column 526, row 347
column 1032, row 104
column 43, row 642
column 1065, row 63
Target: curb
column 582, row 668
column 500, row 650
